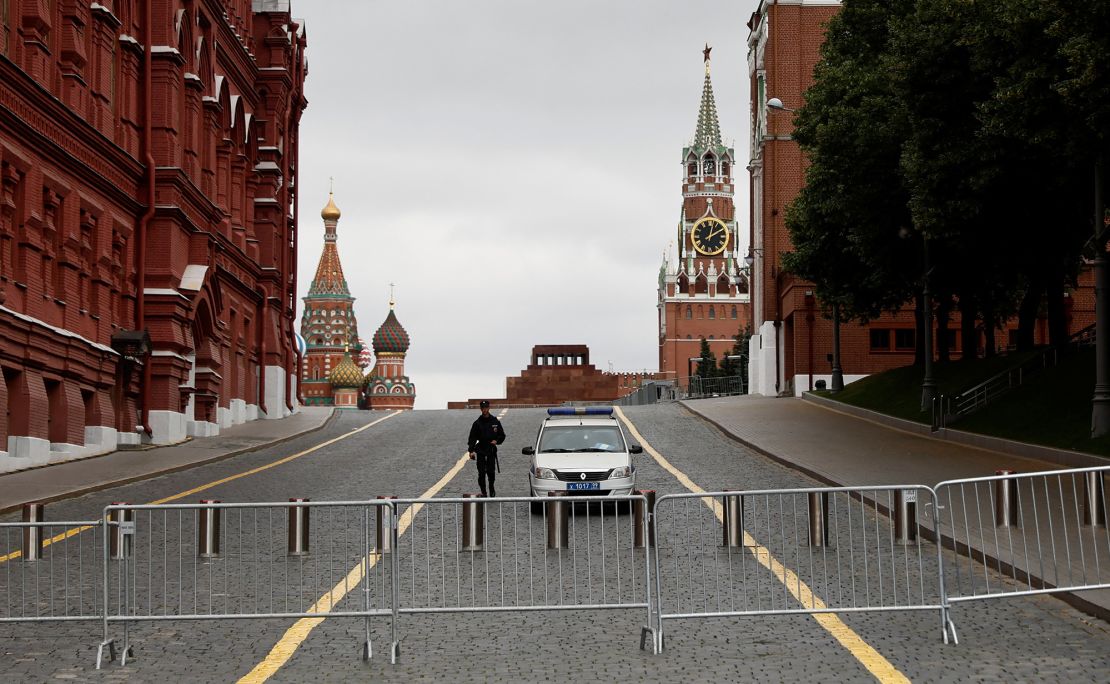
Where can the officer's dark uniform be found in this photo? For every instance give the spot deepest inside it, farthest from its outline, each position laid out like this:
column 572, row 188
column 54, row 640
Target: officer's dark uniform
column 485, row 430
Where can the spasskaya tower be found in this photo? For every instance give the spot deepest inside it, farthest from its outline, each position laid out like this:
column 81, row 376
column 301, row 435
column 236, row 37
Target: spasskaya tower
column 703, row 292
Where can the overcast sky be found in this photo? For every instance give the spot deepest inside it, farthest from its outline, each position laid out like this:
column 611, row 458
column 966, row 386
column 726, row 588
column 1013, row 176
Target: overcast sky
column 513, row 166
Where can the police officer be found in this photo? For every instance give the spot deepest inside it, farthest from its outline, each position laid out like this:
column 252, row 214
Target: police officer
column 485, row 434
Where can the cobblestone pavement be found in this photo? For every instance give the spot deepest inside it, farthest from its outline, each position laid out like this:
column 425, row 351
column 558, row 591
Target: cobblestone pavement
column 1018, row 639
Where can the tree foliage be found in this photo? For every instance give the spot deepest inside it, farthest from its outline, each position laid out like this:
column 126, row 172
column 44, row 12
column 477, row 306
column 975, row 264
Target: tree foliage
column 963, row 131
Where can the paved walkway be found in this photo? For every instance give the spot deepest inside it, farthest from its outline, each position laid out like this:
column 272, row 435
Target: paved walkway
column 63, row 480
column 846, row 450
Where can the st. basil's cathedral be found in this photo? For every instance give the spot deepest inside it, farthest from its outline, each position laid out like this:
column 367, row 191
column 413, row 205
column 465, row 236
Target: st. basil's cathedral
column 334, row 354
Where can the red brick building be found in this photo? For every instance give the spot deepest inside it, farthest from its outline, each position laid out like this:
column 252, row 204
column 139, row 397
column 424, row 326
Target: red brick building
column 792, row 340
column 561, row 373
column 703, row 292
column 147, row 159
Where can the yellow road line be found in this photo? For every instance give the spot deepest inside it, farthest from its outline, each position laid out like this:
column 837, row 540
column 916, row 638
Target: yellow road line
column 196, row 490
column 876, row 664
column 284, row 649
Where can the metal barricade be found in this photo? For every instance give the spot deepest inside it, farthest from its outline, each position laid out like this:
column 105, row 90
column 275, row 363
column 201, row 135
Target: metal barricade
column 51, row 571
column 794, row 551
column 1018, row 534
column 516, row 568
column 177, row 570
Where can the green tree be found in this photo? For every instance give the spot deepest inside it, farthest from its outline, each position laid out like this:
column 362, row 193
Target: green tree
column 846, row 220
column 707, row 364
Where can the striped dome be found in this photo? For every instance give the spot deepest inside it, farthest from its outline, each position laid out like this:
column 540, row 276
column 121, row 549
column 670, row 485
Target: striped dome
column 391, row 337
column 346, row 373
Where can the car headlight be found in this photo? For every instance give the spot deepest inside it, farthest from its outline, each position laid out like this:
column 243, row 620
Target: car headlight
column 545, row 474
column 623, row 471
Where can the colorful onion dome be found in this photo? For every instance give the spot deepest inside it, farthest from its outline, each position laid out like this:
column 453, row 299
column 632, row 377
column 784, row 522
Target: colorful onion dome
column 330, row 212
column 391, row 337
column 346, row 373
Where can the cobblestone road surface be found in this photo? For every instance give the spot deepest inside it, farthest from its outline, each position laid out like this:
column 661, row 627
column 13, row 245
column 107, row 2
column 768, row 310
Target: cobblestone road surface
column 1018, row 639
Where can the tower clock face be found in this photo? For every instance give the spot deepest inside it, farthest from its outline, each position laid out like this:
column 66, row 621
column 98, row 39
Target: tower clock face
column 710, row 236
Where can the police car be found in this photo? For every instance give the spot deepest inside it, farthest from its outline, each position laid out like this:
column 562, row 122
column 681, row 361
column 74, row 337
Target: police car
column 583, row 452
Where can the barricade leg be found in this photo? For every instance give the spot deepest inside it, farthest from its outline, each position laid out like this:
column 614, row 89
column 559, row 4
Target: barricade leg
column 643, row 533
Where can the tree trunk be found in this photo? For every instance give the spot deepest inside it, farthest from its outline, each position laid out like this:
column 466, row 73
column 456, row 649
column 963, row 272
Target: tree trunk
column 1057, row 315
column 919, row 338
column 1027, row 316
column 990, row 347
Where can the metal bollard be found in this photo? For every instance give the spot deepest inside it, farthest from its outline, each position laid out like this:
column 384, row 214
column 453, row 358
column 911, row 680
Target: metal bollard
column 32, row 534
column 298, row 528
column 1094, row 500
column 818, row 518
column 473, row 523
column 1005, row 500
column 905, row 516
column 732, row 526
column 208, row 530
column 122, row 528
column 386, row 530
column 558, row 516
column 643, row 535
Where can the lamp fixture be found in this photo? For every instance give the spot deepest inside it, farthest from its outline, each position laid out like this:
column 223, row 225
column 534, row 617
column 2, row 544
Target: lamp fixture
column 775, row 103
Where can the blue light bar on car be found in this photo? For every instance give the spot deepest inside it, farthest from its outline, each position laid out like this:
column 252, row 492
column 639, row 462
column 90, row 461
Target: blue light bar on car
column 581, row 411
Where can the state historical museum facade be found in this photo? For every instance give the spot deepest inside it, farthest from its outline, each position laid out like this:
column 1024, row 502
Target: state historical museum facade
column 147, row 221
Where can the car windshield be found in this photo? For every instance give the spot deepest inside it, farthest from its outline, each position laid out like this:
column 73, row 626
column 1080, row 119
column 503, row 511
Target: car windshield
column 579, row 438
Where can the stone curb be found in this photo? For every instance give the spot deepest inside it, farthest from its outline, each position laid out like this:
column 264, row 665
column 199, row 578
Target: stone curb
column 1064, row 457
column 80, row 491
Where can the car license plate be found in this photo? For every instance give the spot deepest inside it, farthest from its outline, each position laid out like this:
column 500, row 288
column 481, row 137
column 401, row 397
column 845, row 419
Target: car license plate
column 583, row 485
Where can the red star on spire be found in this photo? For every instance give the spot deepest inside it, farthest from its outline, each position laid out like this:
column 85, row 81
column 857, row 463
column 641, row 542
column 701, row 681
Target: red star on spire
column 706, row 51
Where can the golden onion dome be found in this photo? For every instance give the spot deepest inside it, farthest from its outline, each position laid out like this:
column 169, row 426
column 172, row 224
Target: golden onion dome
column 330, row 212
column 346, row 373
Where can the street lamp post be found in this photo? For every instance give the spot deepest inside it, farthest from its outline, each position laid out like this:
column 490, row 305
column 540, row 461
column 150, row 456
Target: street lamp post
column 928, row 384
column 837, row 373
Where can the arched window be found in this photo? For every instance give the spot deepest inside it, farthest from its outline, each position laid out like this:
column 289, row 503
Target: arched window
column 712, row 312
column 689, row 312
column 734, row 311
column 710, row 165
column 683, row 284
column 711, row 337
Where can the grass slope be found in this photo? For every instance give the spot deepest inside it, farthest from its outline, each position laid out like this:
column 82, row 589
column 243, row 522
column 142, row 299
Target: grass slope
column 1053, row 407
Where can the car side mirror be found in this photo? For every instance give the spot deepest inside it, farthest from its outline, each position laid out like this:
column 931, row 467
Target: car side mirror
column 528, row 451
column 636, row 449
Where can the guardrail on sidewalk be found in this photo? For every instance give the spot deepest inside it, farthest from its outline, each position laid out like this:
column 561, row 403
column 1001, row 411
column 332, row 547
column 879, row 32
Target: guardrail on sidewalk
column 795, row 551
column 1040, row 532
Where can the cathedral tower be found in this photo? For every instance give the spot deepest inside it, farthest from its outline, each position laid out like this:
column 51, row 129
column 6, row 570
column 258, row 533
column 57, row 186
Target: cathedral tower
column 328, row 323
column 703, row 290
column 387, row 386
